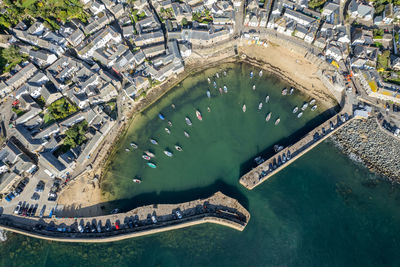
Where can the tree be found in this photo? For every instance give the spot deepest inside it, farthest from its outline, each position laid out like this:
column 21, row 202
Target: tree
column 184, row 22
column 75, row 136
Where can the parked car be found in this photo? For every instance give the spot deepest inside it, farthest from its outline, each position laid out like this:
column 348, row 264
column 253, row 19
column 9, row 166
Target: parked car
column 42, row 211
column 178, row 214
column 35, row 196
column 34, row 210
column 154, row 219
column 40, row 186
column 80, row 229
column 17, row 208
column 117, row 225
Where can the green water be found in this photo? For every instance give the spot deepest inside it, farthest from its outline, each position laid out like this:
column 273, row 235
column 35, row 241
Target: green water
column 323, row 210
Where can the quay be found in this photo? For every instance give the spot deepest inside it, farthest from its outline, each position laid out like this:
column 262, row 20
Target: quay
column 280, row 160
column 146, row 220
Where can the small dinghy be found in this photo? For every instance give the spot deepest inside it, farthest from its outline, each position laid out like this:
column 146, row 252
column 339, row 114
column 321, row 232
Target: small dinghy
column 220, row 90
column 267, row 99
column 244, row 108
column 167, row 130
column 208, row 109
column 178, row 148
column 134, row 146
column 277, row 121
column 151, row 165
column 251, row 75
column 186, row 134
column 148, row 153
column 208, row 79
column 260, row 106
column 215, row 84
column 168, row 153
column 198, row 115
column 225, row 89
column 314, row 108
column 268, row 117
column 137, row 180
column 154, row 142
column 217, row 75
column 291, row 91
column 146, row 157
column 188, row 121
column 161, row 116
column 312, row 102
column 224, row 73
column 208, row 93
column 299, row 115
column 260, row 73
column 305, row 105
column 295, row 109
column 254, row 87
column 170, row 124
column 284, row 91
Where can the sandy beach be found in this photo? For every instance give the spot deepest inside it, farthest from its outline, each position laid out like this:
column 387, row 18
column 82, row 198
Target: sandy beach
column 84, row 197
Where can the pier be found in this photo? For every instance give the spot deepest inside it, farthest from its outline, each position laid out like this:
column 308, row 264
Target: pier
column 146, row 220
column 280, row 160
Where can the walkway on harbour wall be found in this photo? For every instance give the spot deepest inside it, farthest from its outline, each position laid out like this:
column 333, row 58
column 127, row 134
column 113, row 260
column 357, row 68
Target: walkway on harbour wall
column 286, row 156
column 146, row 220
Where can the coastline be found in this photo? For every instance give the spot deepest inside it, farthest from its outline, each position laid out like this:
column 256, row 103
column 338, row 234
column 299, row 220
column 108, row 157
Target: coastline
column 94, row 202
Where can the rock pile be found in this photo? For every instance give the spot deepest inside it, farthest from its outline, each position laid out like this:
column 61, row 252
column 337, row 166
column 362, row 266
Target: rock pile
column 365, row 140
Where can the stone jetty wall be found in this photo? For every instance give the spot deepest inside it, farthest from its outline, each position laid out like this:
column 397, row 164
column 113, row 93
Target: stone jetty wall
column 377, row 149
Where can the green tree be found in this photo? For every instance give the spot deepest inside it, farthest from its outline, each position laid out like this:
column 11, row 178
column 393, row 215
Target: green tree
column 76, row 135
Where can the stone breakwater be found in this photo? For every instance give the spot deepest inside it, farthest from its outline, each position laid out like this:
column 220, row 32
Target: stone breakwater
column 146, row 220
column 378, row 150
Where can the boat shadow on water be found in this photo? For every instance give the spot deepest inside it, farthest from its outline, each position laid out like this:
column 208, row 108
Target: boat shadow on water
column 170, row 197
column 246, row 166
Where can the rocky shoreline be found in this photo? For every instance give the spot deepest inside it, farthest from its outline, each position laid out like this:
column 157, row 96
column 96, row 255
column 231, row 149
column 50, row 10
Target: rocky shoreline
column 364, row 141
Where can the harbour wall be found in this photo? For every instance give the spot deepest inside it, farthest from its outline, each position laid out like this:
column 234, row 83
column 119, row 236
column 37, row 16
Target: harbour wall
column 263, row 171
column 217, row 209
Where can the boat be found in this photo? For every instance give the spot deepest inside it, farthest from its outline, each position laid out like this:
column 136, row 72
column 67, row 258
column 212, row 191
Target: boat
column 208, row 79
column 254, row 87
column 314, row 108
column 260, row 106
column 114, row 211
column 283, row 158
column 260, row 73
column 154, row 142
column 305, row 105
column 178, row 148
column 217, row 75
column 312, row 102
column 198, row 115
column 208, row 109
column 244, row 108
column 170, row 123
column 186, row 134
column 284, row 91
column 278, row 120
column 299, row 115
column 295, row 109
column 161, row 116
column 220, row 90
column 268, row 117
column 167, row 130
column 225, row 89
column 279, row 160
column 251, row 75
column 134, row 146
column 137, row 180
column 224, row 73
column 148, row 153
column 146, row 157
column 188, row 122
column 127, row 149
column 267, row 99
column 288, row 155
column 291, row 91
column 277, row 148
column 215, row 84
column 168, row 153
column 208, row 93
column 151, row 165
column 259, row 160
column 173, row 106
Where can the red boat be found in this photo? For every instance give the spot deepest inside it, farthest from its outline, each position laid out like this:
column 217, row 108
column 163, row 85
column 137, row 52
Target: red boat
column 136, row 180
column 198, row 114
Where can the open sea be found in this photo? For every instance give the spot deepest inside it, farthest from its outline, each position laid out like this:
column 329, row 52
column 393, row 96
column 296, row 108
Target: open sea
column 322, row 210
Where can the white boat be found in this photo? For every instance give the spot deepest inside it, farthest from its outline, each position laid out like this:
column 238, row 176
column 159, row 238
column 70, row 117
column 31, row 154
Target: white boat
column 254, row 87
column 312, row 102
column 277, row 121
column 224, row 73
column 225, row 89
column 208, row 93
column 178, row 148
column 251, row 75
column 284, row 91
column 260, row 73
column 299, row 115
column 208, row 79
column 267, row 99
column 217, row 75
column 168, row 153
column 170, row 123
column 295, row 109
column 186, row 134
column 127, row 149
column 260, row 106
column 314, row 108
column 134, row 146
column 305, row 105
column 268, row 117
column 167, row 130
column 208, row 109
column 215, row 84
column 188, row 121
column 291, row 91
column 244, row 108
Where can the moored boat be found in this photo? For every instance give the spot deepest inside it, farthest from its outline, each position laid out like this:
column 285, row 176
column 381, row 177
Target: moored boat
column 225, row 89
column 168, row 153
column 186, row 134
column 254, row 87
column 312, row 102
column 198, row 115
column 161, row 116
column 170, row 123
column 268, row 117
column 208, row 79
column 260, row 73
column 151, row 165
column 251, row 74
column 288, row 155
column 283, row 158
column 299, row 115
column 137, row 180
column 215, row 84
column 173, row 106
column 267, row 99
column 305, row 105
column 217, row 75
column 314, row 108
column 208, row 93
column 284, row 91
column 220, row 90
column 167, row 130
column 154, row 142
column 133, row 145
column 188, row 121
column 146, row 157
column 291, row 91
column 295, row 109
column 277, row 121
column 127, row 149
column 244, row 108
column 224, row 73
column 260, row 106
column 148, row 153
column 277, row 148
column 178, row 148
column 208, row 109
